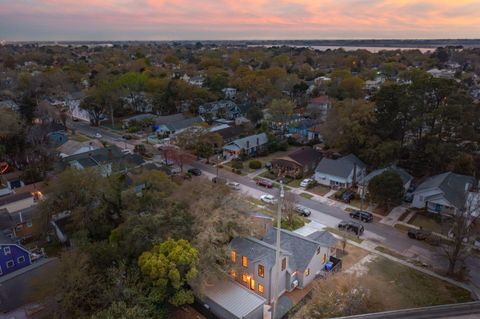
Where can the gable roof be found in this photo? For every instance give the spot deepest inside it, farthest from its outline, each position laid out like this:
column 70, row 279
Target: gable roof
column 241, row 143
column 453, row 186
column 302, row 248
column 255, row 250
column 101, row 156
column 341, row 167
column 324, row 238
column 404, row 175
column 183, row 124
column 305, row 156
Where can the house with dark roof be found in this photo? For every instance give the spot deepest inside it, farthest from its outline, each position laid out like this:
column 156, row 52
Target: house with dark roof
column 444, row 193
column 297, row 164
column 249, row 145
column 343, row 172
column 302, row 259
column 220, row 109
column 105, row 160
column 404, row 176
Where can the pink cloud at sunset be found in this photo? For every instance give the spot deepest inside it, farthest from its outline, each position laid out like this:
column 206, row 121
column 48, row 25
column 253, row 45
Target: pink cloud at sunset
column 237, row 19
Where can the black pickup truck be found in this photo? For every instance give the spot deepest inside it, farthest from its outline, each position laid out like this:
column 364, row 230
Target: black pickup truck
column 419, row 234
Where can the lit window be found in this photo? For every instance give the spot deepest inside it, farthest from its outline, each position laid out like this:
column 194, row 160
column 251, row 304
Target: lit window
column 324, row 258
column 244, row 261
column 260, row 288
column 261, row 271
column 307, row 272
column 284, row 263
column 20, row 259
column 6, row 251
column 244, row 278
column 233, row 256
column 10, row 264
column 252, row 284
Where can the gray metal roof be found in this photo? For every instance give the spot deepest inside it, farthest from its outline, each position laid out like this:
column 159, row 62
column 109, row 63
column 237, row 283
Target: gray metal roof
column 453, row 186
column 341, row 167
column 404, row 175
column 241, row 143
column 234, row 298
column 183, row 124
column 302, row 248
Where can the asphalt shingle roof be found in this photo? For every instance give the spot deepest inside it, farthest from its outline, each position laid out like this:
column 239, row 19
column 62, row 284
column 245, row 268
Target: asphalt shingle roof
column 453, row 187
column 341, row 167
column 302, row 248
column 404, row 175
column 241, row 143
column 255, row 250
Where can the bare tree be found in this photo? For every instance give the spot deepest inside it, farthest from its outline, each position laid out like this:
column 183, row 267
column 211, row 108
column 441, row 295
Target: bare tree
column 457, row 249
column 289, row 204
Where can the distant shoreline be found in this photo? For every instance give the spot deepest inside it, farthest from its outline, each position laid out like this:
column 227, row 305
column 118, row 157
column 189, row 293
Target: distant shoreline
column 372, row 43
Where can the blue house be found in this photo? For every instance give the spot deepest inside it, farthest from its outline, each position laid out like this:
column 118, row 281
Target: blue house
column 12, row 256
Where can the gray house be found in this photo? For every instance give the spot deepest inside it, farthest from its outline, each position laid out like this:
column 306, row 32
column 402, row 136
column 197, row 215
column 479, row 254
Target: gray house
column 340, row 173
column 443, row 193
column 250, row 145
column 302, row 259
column 404, row 175
column 220, row 109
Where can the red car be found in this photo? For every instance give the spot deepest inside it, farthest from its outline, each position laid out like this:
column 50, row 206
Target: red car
column 264, row 183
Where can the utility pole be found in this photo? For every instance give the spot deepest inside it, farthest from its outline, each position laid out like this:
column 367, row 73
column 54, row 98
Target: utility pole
column 276, row 276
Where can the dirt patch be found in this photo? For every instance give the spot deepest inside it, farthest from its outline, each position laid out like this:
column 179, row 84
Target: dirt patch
column 352, row 255
column 361, row 267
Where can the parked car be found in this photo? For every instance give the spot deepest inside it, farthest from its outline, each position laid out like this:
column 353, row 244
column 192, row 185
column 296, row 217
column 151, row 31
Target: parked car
column 350, row 226
column 408, row 198
column 306, row 182
column 303, row 211
column 234, row 185
column 269, row 199
column 268, row 165
column 264, row 183
column 362, row 215
column 195, row 171
column 98, row 135
column 127, row 151
column 347, row 196
column 219, row 180
column 127, row 137
column 419, row 234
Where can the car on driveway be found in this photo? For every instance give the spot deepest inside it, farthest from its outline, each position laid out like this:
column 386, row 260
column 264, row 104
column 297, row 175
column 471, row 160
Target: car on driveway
column 303, row 211
column 264, row 183
column 419, row 234
column 269, row 199
column 195, row 171
column 350, row 226
column 362, row 215
column 306, row 182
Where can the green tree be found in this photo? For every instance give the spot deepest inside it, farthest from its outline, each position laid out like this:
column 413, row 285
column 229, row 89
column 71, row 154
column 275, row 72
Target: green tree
column 281, row 111
column 255, row 114
column 386, row 189
column 170, row 266
column 464, row 164
column 120, row 310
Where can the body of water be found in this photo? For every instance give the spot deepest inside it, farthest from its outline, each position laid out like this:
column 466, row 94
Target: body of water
column 347, row 48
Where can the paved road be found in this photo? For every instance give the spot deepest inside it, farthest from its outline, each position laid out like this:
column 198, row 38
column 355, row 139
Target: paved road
column 111, row 137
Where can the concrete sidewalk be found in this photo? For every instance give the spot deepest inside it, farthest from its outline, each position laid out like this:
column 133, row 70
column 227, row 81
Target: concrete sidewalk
column 392, row 218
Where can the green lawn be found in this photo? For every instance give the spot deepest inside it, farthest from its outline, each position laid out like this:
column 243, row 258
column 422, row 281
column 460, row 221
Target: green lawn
column 319, row 190
column 390, row 252
column 295, row 182
column 79, row 138
column 428, row 223
column 306, row 195
column 405, row 287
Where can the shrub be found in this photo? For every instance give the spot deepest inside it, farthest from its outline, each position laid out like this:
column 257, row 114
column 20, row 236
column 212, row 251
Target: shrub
column 255, row 164
column 133, row 129
column 312, row 184
column 237, row 164
column 238, row 171
column 339, row 193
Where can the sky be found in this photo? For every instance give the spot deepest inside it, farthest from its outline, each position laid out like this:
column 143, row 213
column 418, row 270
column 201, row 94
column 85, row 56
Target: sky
column 37, row 20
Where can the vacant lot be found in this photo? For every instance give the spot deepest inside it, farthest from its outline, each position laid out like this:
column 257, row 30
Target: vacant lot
column 407, row 288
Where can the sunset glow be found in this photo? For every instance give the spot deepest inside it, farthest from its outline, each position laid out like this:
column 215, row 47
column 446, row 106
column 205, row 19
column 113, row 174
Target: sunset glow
column 237, row 19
